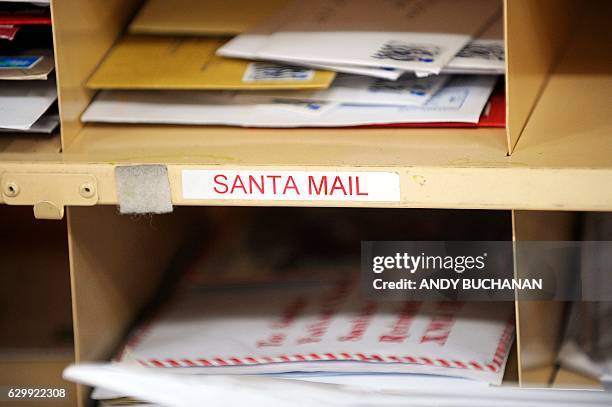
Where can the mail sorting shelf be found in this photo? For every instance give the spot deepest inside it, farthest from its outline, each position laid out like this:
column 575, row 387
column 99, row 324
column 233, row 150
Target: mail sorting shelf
column 560, row 162
column 117, row 270
column 529, row 61
column 462, row 168
column 557, row 122
column 36, row 339
column 558, row 141
column 546, row 327
column 115, row 275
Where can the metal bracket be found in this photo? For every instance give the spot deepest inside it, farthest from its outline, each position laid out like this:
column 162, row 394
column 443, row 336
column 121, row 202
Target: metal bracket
column 49, row 193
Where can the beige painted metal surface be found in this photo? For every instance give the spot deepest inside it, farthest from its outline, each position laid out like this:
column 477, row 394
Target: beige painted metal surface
column 84, row 30
column 35, row 315
column 571, row 125
column 540, row 323
column 535, row 33
column 49, row 193
column 114, row 274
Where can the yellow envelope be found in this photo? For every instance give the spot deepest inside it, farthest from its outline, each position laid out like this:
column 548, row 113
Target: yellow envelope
column 158, row 62
column 208, row 17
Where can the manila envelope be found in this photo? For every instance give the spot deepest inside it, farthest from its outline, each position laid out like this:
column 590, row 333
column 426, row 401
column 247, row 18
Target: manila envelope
column 210, row 17
column 159, row 62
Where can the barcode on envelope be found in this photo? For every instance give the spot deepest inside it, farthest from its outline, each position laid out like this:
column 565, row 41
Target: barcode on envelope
column 403, row 51
column 266, row 71
column 490, row 52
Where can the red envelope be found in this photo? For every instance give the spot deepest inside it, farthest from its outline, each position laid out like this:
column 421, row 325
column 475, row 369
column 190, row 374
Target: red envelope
column 25, row 17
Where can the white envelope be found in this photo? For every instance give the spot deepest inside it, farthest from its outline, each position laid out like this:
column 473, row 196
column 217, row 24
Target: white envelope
column 461, row 100
column 370, row 381
column 45, row 125
column 407, row 91
column 245, row 46
column 403, row 51
column 313, row 108
column 22, row 103
column 409, row 36
column 212, row 391
column 383, row 73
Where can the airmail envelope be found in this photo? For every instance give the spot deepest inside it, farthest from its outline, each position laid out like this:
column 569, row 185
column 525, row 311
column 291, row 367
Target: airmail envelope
column 210, row 17
column 159, row 62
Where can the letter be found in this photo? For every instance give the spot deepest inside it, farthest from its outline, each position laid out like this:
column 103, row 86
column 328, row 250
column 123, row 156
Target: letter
column 274, row 178
column 405, row 258
column 312, row 186
column 436, row 262
column 416, row 262
column 438, row 330
column 377, row 284
column 398, row 261
column 253, row 181
column 238, row 184
column 377, row 266
column 459, row 264
column 337, row 185
column 469, row 262
column 389, row 262
column 222, row 184
column 359, row 193
column 480, row 264
column 290, row 184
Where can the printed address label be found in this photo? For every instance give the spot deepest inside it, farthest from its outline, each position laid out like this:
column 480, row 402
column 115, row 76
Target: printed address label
column 367, row 186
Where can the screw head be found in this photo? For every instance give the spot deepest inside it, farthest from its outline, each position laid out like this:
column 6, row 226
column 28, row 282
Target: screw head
column 86, row 190
column 11, row 189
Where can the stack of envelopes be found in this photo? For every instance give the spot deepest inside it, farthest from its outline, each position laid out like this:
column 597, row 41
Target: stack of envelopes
column 27, row 84
column 289, row 63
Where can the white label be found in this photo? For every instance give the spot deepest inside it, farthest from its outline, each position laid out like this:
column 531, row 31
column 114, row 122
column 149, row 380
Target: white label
column 364, row 186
